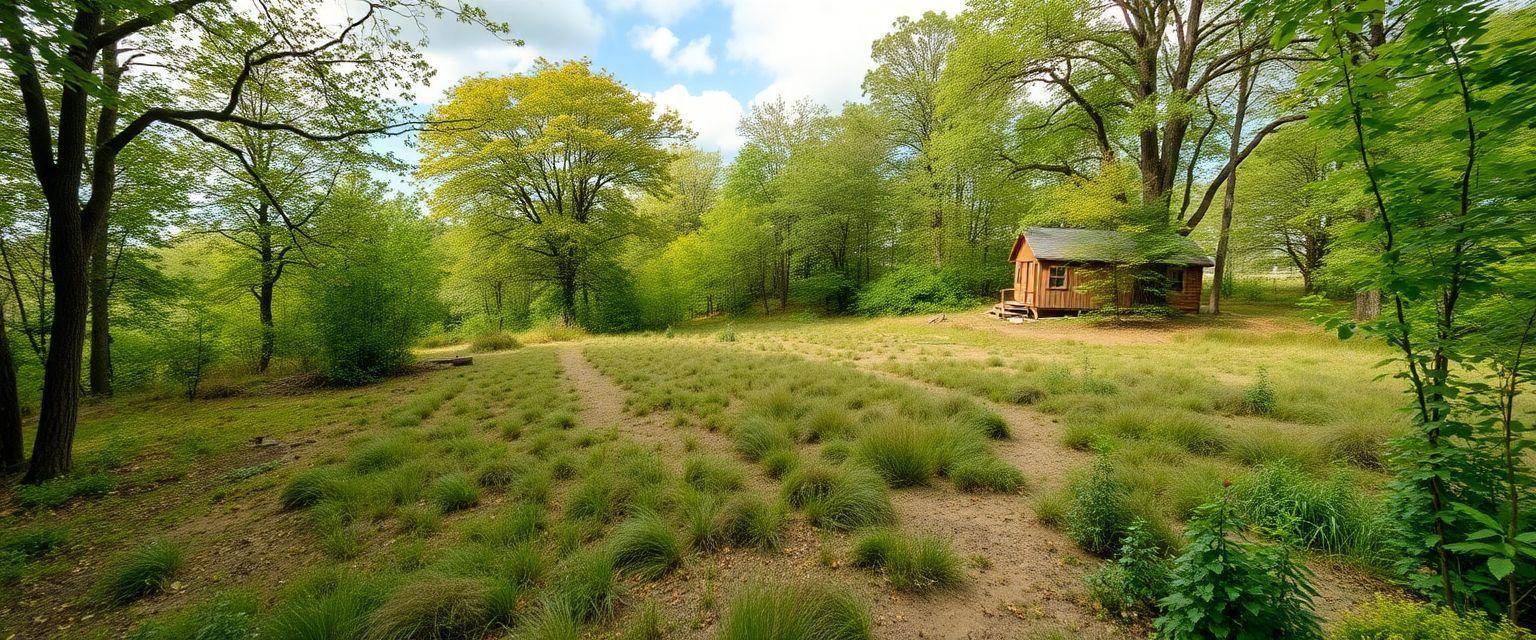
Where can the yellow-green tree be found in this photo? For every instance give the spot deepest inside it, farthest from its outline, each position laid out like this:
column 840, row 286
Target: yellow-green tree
column 546, row 163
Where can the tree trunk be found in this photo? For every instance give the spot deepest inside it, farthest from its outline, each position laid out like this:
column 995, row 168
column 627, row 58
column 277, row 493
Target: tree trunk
column 101, row 325
column 51, row 452
column 567, row 295
column 1229, row 195
column 268, row 331
column 11, row 457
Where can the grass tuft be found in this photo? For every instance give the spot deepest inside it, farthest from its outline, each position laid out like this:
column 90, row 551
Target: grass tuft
column 712, row 474
column 433, row 607
column 143, row 571
column 917, row 563
column 899, row 452
column 840, row 498
column 986, row 473
column 455, row 492
column 646, row 546
column 795, row 612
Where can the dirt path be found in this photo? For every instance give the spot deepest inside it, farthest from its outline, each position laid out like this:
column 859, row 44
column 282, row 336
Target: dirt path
column 1026, row 580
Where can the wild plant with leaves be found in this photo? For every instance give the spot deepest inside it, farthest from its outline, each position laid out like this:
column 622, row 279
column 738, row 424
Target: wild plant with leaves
column 1430, row 93
column 1223, row 587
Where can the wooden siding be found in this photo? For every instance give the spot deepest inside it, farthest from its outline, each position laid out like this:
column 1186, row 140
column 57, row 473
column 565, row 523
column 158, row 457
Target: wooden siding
column 1031, row 283
column 1188, row 300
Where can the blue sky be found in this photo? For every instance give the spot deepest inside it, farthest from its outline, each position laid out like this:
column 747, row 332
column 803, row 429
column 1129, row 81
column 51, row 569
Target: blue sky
column 709, row 60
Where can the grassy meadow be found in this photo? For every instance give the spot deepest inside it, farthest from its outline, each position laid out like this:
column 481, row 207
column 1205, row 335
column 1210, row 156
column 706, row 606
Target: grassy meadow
column 779, row 478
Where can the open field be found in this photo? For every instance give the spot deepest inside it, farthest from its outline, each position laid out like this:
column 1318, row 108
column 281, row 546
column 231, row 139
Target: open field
column 918, row 479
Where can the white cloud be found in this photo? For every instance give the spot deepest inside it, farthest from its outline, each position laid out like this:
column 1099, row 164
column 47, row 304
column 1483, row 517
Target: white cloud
column 663, row 11
column 555, row 29
column 661, row 44
column 713, row 114
column 816, row 48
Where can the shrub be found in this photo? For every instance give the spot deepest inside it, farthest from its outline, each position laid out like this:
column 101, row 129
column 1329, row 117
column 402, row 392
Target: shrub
column 712, row 474
column 586, row 584
column 839, row 497
column 911, row 289
column 795, row 612
column 455, row 492
column 310, row 487
column 1227, row 588
column 1098, row 513
column 1394, row 619
column 912, row 563
column 1131, row 585
column 899, row 453
column 646, row 546
column 495, row 341
column 985, row 473
column 367, row 310
column 143, row 571
column 433, row 607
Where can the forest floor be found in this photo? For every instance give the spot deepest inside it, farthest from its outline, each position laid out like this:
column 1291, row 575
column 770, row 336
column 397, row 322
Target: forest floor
column 564, row 419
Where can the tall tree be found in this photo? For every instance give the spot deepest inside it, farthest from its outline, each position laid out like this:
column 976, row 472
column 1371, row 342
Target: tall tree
column 904, row 87
column 550, row 166
column 66, row 61
column 1084, row 86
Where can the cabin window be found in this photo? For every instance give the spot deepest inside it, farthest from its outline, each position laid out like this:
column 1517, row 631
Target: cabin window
column 1057, row 278
column 1176, row 280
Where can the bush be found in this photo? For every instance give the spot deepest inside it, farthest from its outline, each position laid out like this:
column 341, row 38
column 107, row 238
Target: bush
column 369, row 306
column 433, row 607
column 795, row 612
column 144, row 571
column 455, row 492
column 985, row 473
column 912, row 563
column 646, row 546
column 1098, row 514
column 1223, row 588
column 899, row 453
column 910, row 289
column 1394, row 619
column 495, row 341
column 1131, row 585
column 840, row 498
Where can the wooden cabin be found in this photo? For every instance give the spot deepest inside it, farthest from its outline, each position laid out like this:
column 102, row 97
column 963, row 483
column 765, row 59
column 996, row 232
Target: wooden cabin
column 1051, row 265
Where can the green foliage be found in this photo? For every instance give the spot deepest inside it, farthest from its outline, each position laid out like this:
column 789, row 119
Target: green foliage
column 1306, row 511
column 145, row 570
column 1387, row 618
column 986, row 473
column 747, row 520
column 228, row 616
column 1224, row 588
column 1099, row 513
column 586, row 585
column 795, row 612
column 1258, row 397
column 370, row 303
column 712, row 474
column 495, row 341
column 1132, row 584
column 455, row 492
column 913, row 289
column 646, row 546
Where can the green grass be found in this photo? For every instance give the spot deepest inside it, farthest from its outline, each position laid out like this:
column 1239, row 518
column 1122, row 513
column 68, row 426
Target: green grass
column 899, row 452
column 587, row 584
column 143, row 571
column 712, row 474
column 839, row 498
column 986, row 473
column 432, row 607
column 455, row 492
column 795, row 612
column 912, row 563
column 646, row 546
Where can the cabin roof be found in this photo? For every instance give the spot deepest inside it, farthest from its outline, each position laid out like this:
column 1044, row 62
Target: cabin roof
column 1100, row 245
